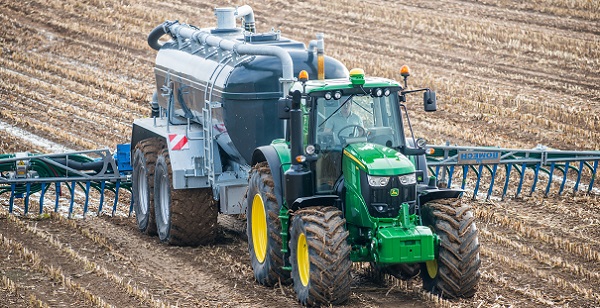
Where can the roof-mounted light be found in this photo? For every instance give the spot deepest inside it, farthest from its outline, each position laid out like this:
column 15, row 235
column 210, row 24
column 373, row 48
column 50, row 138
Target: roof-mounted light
column 405, row 71
column 328, row 95
column 337, row 94
column 357, row 76
column 303, row 76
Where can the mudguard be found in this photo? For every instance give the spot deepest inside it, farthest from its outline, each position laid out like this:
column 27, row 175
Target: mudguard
column 427, row 195
column 269, row 154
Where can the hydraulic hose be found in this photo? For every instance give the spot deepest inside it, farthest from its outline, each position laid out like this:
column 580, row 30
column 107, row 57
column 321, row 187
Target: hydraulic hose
column 156, row 34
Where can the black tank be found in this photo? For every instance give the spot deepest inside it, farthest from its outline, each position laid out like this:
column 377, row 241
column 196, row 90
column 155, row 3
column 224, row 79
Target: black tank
column 244, row 91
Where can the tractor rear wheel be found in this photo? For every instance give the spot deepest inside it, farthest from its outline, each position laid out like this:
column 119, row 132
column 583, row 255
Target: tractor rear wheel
column 144, row 159
column 455, row 271
column 184, row 217
column 320, row 256
column 264, row 228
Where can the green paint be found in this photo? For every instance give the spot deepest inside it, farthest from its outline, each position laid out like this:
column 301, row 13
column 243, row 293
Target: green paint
column 377, row 159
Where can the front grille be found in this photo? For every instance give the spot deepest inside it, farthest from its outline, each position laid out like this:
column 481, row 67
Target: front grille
column 380, row 201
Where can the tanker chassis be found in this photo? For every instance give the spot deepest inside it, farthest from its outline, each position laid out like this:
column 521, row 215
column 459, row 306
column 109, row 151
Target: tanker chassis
column 234, row 132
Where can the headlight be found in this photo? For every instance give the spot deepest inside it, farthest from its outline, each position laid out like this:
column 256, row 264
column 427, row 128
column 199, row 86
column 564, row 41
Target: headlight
column 408, row 179
column 378, row 181
column 337, row 95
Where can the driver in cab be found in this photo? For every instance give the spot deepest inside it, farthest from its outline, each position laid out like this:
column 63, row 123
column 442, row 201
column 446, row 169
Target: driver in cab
column 345, row 117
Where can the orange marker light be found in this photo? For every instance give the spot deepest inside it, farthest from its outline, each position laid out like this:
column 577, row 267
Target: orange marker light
column 404, row 71
column 303, row 75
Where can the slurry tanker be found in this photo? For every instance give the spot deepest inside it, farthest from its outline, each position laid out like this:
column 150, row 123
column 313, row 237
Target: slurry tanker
column 241, row 125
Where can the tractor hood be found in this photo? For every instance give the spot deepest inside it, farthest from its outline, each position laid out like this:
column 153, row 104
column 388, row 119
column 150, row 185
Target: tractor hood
column 376, row 159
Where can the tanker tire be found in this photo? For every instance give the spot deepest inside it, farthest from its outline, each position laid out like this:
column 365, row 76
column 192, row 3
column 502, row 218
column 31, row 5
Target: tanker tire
column 455, row 271
column 184, row 217
column 320, row 256
column 270, row 271
column 144, row 160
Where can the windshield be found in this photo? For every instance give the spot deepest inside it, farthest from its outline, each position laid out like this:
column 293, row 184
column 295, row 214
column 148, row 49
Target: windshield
column 357, row 118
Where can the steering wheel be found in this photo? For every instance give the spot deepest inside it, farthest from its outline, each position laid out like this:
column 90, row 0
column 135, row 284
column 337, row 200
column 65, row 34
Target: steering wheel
column 357, row 131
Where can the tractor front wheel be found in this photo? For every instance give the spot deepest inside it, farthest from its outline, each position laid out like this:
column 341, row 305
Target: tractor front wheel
column 455, row 271
column 264, row 228
column 320, row 256
column 184, row 217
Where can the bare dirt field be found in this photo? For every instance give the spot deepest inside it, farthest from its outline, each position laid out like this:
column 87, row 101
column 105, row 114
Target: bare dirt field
column 507, row 73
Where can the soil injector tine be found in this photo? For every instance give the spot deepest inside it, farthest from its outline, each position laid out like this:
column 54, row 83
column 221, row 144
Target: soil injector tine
column 25, row 174
column 543, row 162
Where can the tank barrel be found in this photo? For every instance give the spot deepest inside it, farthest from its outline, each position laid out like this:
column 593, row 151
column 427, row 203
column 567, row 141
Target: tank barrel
column 182, row 31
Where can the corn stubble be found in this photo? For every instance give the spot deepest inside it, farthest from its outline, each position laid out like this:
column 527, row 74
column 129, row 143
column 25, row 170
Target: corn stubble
column 79, row 72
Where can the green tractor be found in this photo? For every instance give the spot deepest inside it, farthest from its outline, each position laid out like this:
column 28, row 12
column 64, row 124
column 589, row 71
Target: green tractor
column 348, row 185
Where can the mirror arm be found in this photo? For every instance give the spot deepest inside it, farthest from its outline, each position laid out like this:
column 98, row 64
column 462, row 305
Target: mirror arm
column 413, row 91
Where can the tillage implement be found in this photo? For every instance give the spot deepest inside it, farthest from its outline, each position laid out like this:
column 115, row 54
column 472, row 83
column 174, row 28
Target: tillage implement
column 322, row 161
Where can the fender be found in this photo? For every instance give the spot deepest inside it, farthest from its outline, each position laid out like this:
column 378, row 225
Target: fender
column 427, row 195
column 269, row 154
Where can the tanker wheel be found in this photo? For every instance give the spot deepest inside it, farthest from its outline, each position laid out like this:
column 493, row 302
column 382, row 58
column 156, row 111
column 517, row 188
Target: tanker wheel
column 320, row 256
column 184, row 217
column 264, row 228
column 144, row 159
column 455, row 271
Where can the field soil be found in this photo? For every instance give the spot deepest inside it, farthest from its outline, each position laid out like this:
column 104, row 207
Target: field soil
column 75, row 74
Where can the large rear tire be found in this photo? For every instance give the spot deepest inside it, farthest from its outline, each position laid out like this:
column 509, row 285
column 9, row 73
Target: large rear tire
column 455, row 271
column 264, row 228
column 320, row 256
column 144, row 160
column 184, row 217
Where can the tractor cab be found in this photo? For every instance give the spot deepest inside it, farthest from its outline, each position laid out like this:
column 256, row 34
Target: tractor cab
column 357, row 115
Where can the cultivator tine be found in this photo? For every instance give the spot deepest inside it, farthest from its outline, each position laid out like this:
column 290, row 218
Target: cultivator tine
column 593, row 176
column 87, row 197
column 102, row 186
column 450, row 173
column 130, row 206
column 72, row 202
column 535, row 178
column 27, row 192
column 57, row 197
column 505, row 188
column 490, row 190
column 565, row 172
column 114, row 209
column 464, row 178
column 12, row 197
column 522, row 172
column 479, row 171
column 579, row 171
column 42, row 192
column 550, row 174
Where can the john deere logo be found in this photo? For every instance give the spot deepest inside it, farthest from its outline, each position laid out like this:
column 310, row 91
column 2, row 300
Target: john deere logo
column 394, row 192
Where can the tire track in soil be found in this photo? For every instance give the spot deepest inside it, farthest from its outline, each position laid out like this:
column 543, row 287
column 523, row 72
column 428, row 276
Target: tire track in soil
column 56, row 262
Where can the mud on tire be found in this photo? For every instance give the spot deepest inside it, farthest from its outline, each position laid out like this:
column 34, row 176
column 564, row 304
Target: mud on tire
column 267, row 271
column 320, row 256
column 184, row 217
column 144, row 159
column 455, row 272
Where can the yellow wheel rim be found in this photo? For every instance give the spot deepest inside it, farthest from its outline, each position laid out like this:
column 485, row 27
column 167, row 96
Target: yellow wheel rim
column 303, row 260
column 259, row 228
column 432, row 268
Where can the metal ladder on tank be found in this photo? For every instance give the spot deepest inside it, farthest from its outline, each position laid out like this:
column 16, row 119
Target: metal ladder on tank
column 207, row 119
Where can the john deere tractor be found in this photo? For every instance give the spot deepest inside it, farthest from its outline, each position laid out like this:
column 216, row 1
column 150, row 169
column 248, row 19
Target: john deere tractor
column 347, row 187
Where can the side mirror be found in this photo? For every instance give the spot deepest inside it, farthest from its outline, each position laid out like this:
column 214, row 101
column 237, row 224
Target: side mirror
column 283, row 108
column 429, row 101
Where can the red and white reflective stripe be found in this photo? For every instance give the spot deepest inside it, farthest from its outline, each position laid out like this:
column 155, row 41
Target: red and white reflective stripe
column 178, row 142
